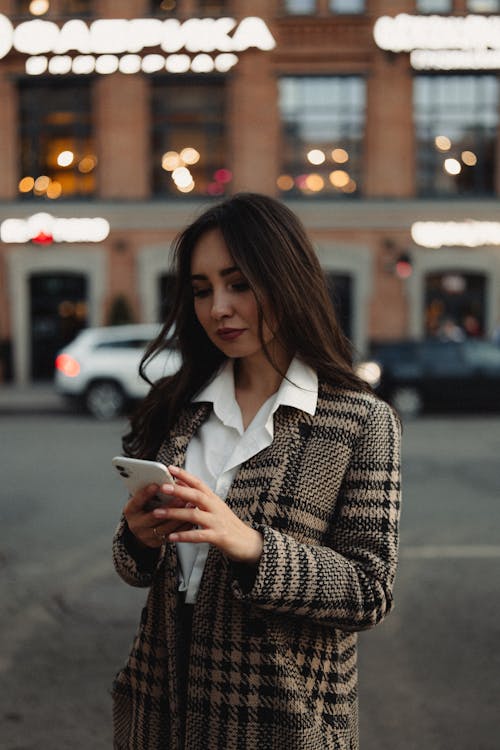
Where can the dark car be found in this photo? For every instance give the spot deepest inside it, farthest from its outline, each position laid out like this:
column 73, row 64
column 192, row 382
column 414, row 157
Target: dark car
column 434, row 375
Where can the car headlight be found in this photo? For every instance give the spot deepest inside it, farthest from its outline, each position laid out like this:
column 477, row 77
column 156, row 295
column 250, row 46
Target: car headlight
column 370, row 372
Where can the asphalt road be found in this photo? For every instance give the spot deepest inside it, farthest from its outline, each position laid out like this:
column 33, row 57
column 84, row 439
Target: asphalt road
column 429, row 675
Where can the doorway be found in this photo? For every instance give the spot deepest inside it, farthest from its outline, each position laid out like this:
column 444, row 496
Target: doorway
column 58, row 311
column 340, row 289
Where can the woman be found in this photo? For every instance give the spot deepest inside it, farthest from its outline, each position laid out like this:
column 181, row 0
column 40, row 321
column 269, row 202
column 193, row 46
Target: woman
column 280, row 540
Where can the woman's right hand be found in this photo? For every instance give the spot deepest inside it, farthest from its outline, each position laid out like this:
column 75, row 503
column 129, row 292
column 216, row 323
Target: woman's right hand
column 142, row 522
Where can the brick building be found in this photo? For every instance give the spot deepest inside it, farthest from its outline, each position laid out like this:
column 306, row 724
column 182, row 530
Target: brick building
column 375, row 120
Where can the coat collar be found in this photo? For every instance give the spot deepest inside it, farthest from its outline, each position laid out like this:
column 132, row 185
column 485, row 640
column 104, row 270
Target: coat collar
column 173, row 448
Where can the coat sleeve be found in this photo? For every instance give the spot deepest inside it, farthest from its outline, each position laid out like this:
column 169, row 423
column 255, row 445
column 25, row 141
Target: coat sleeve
column 134, row 564
column 347, row 584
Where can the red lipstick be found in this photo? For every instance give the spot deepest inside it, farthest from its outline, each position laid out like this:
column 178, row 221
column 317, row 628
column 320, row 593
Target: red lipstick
column 229, row 334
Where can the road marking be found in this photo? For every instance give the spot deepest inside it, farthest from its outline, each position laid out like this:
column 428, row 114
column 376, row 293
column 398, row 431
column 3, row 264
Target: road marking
column 433, row 551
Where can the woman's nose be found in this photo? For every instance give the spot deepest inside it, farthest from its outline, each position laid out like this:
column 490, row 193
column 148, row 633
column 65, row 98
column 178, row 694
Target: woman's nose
column 221, row 306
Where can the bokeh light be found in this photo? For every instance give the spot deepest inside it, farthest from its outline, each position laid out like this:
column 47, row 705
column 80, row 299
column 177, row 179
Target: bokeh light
column 315, row 182
column 186, row 188
column 452, row 166
column 351, row 187
column 442, row 142
column 190, row 155
column 26, row 184
column 316, row 156
column 54, row 190
column 39, row 7
column 41, row 183
column 340, row 155
column 339, row 178
column 285, row 182
column 87, row 164
column 65, row 158
column 469, row 158
column 223, row 175
column 182, row 177
column 170, row 161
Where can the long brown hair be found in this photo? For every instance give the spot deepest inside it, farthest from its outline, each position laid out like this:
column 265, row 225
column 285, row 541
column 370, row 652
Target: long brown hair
column 270, row 246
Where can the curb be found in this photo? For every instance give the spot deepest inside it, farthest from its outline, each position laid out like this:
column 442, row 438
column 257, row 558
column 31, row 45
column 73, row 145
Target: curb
column 31, row 400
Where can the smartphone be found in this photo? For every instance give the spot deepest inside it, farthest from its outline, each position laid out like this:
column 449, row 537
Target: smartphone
column 138, row 473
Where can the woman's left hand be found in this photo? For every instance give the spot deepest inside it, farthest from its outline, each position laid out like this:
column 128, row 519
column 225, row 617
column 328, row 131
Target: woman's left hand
column 213, row 521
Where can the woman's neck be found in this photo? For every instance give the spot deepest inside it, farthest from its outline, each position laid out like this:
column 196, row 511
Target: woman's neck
column 255, row 380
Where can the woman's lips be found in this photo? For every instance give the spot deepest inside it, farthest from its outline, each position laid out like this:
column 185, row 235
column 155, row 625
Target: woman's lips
column 229, row 334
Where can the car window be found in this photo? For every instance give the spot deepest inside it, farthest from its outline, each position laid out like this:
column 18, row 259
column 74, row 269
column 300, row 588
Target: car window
column 482, row 354
column 123, row 344
column 444, row 358
column 400, row 360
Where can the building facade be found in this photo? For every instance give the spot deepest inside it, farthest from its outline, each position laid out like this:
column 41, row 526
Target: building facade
column 376, row 121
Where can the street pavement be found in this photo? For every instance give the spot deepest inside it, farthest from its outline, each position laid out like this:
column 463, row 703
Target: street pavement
column 429, row 675
column 31, row 399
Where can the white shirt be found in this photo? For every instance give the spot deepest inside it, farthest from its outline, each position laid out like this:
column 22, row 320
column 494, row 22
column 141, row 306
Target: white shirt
column 221, row 445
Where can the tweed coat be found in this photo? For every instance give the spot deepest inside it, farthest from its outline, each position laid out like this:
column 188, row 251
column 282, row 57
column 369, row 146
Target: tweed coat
column 273, row 662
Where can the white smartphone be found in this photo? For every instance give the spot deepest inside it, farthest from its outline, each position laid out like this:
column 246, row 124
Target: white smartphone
column 138, row 473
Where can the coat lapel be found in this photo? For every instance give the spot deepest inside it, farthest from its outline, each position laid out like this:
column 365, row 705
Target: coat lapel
column 173, row 449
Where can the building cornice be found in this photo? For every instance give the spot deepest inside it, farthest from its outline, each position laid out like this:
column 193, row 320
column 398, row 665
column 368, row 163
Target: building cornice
column 360, row 215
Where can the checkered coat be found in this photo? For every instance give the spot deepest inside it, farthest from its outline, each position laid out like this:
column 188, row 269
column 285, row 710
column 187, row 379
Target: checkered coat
column 273, row 667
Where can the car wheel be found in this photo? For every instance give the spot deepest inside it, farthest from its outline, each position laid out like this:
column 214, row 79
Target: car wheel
column 407, row 401
column 105, row 399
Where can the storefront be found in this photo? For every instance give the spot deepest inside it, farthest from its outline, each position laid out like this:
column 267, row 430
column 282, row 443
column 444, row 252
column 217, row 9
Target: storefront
column 345, row 116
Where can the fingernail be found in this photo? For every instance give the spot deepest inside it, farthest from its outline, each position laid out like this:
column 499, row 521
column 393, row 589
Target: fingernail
column 168, row 489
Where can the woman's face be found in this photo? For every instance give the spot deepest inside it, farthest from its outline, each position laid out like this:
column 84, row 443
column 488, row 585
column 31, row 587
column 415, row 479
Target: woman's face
column 223, row 301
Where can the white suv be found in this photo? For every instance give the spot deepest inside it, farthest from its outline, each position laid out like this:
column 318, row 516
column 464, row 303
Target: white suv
column 100, row 367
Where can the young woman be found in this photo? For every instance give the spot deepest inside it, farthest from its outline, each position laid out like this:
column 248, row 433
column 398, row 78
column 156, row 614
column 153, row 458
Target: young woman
column 280, row 540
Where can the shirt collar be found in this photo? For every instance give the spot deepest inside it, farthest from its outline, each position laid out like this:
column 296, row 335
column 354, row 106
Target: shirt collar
column 299, row 389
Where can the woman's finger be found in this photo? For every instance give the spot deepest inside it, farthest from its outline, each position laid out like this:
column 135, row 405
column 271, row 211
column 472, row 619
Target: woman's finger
column 189, row 495
column 193, row 515
column 137, row 502
column 188, row 479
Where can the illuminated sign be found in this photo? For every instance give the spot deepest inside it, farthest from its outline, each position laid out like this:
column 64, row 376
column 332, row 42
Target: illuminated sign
column 442, row 42
column 467, row 233
column 110, row 45
column 43, row 229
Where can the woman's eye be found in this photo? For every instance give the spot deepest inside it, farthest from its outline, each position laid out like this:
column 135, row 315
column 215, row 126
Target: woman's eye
column 200, row 293
column 240, row 286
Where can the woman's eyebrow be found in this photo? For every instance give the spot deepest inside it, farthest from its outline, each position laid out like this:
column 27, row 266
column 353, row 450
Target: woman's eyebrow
column 224, row 272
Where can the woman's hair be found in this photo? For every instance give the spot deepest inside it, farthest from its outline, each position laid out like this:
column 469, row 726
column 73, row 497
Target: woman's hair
column 269, row 245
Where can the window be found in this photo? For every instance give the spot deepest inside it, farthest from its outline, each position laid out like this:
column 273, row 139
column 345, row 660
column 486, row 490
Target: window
column 78, row 8
column 352, row 7
column 58, row 158
column 189, row 137
column 455, row 304
column 456, row 121
column 483, row 6
column 124, row 344
column 323, row 122
column 300, row 7
column 434, row 6
column 64, row 8
column 483, row 354
column 190, row 8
